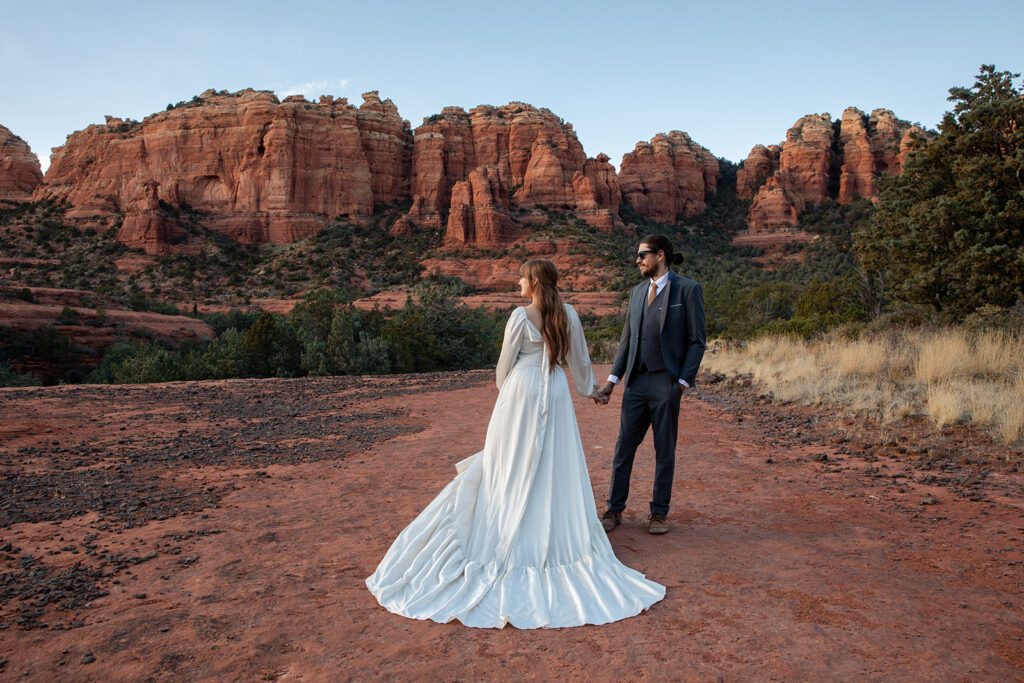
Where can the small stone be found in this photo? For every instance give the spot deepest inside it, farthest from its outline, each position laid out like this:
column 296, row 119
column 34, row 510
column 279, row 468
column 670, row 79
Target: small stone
column 819, row 457
column 87, row 659
column 929, row 500
column 140, row 596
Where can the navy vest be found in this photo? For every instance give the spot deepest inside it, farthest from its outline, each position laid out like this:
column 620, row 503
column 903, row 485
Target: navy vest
column 650, row 356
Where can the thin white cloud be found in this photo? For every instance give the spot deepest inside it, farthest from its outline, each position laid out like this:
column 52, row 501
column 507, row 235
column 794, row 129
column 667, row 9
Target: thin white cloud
column 311, row 89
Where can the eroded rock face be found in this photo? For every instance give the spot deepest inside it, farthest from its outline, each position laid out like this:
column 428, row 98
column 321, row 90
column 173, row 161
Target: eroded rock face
column 668, row 176
column 870, row 147
column 774, row 208
column 597, row 194
column 821, row 159
column 759, row 164
column 806, row 158
column 265, row 170
column 805, row 164
column 599, row 186
column 533, row 154
column 20, row 172
column 144, row 225
column 479, row 210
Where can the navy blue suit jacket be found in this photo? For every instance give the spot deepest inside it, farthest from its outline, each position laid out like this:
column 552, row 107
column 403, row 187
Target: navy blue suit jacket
column 682, row 328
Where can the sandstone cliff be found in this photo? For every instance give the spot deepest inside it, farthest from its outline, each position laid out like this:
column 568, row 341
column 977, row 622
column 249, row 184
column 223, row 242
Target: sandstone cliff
column 479, row 209
column 531, row 153
column 20, row 173
column 145, row 226
column 870, row 147
column 264, row 170
column 822, row 159
column 668, row 176
column 760, row 163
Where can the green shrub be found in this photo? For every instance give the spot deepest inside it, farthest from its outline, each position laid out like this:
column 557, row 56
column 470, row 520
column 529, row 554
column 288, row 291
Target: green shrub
column 10, row 378
column 68, row 316
column 271, row 348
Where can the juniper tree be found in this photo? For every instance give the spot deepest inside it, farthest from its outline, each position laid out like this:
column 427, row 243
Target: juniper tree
column 949, row 231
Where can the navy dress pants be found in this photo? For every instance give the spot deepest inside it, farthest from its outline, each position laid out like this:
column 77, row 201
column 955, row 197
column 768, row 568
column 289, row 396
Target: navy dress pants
column 650, row 400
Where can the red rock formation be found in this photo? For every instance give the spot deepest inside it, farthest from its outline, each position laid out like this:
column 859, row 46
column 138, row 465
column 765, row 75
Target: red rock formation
column 668, row 176
column 19, row 168
column 887, row 134
column 857, row 177
column 545, row 182
column 759, row 164
column 603, row 191
column 452, row 143
column 774, row 207
column 813, row 163
column 806, row 157
column 870, row 147
column 144, row 225
column 479, row 210
column 597, row 193
column 264, row 170
column 805, row 163
column 443, row 150
column 535, row 154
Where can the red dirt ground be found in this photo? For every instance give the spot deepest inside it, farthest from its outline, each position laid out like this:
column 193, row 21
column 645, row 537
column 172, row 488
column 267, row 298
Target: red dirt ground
column 777, row 567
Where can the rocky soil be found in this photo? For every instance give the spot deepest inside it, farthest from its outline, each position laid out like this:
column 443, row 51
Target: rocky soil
column 224, row 529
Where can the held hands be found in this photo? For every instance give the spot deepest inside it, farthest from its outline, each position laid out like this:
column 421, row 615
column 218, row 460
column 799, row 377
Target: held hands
column 604, row 394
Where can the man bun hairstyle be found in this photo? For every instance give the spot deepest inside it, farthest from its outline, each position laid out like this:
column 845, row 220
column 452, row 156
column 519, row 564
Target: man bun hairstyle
column 661, row 243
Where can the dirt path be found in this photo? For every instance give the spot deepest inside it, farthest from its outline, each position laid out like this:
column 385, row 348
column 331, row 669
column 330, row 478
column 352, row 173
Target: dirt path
column 225, row 533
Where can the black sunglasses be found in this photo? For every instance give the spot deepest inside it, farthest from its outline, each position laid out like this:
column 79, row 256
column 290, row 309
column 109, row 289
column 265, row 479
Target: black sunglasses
column 643, row 253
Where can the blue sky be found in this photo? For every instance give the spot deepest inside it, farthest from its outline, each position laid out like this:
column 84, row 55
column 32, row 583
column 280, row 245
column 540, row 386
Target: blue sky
column 731, row 74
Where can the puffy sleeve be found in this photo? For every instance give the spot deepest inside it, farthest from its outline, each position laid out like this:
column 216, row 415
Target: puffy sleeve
column 514, row 329
column 578, row 357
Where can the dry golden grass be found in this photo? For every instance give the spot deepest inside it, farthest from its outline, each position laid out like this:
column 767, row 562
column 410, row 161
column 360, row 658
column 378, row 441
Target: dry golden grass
column 1011, row 427
column 952, row 376
column 983, row 405
column 942, row 357
column 865, row 358
column 945, row 405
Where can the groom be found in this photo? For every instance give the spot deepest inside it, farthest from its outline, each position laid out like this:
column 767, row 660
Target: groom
column 660, row 350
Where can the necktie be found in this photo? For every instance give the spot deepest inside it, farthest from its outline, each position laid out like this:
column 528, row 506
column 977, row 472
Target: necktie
column 654, row 293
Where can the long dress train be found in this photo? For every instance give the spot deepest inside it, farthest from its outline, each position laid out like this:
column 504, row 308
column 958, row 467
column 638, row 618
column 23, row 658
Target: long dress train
column 515, row 537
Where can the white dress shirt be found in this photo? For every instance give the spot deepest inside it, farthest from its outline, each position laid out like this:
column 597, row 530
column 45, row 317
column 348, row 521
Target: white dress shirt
column 660, row 283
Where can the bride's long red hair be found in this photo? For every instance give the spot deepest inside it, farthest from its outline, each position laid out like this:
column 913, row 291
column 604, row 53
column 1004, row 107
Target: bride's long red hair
column 543, row 277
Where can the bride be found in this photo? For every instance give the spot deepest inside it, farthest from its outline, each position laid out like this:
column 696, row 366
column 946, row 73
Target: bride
column 515, row 538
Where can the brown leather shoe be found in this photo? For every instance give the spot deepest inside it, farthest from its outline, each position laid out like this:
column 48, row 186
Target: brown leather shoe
column 656, row 524
column 611, row 519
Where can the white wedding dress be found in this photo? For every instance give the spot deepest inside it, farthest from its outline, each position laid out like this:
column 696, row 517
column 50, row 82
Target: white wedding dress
column 515, row 537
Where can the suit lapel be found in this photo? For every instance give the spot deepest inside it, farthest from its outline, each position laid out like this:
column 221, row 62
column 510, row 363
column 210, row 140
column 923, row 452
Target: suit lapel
column 665, row 303
column 635, row 309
